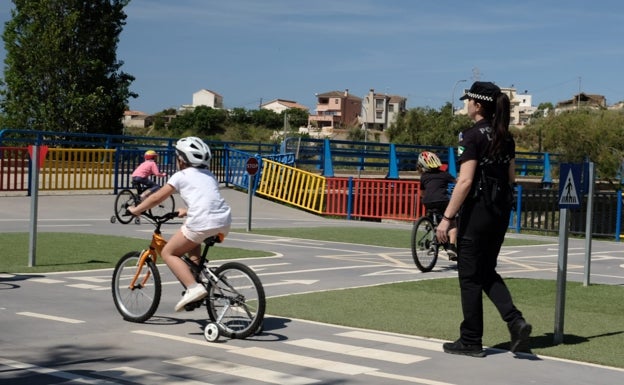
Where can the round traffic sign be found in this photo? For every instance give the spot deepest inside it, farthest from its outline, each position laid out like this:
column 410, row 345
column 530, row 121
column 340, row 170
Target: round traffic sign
column 252, row 166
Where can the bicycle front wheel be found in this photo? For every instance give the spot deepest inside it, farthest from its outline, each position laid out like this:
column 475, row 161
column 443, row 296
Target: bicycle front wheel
column 124, row 199
column 165, row 207
column 136, row 299
column 236, row 301
column 424, row 244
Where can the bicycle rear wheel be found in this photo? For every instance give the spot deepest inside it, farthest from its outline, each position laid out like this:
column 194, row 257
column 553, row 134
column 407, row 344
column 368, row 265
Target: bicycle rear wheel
column 165, row 207
column 124, row 199
column 236, row 301
column 136, row 302
column 424, row 244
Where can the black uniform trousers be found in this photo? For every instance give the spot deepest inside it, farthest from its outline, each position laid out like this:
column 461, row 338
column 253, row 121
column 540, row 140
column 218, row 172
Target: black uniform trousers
column 480, row 237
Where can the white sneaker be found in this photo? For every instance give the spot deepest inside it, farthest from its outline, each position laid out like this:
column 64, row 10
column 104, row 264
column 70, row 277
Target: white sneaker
column 192, row 294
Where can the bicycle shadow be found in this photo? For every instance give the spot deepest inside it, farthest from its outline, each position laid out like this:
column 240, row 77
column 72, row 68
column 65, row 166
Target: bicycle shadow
column 266, row 332
column 7, row 280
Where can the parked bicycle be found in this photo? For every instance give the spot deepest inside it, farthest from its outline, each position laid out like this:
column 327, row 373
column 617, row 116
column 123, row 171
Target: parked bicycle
column 126, row 198
column 425, row 245
column 235, row 302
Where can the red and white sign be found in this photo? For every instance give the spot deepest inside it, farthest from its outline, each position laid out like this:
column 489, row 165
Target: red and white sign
column 252, row 166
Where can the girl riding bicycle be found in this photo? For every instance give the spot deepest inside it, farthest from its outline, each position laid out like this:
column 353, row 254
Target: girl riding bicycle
column 207, row 213
column 146, row 169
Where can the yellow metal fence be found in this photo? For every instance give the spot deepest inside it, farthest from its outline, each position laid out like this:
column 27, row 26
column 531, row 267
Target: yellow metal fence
column 293, row 186
column 77, row 169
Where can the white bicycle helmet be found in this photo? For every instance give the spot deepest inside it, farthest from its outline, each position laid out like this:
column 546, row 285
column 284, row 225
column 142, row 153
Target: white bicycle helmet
column 429, row 161
column 193, row 151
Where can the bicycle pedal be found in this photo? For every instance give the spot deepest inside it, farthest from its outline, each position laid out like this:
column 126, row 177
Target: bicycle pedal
column 193, row 305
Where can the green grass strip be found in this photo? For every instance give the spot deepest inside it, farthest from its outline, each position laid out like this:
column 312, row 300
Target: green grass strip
column 76, row 251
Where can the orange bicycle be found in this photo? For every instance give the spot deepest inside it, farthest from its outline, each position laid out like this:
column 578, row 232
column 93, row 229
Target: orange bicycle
column 235, row 302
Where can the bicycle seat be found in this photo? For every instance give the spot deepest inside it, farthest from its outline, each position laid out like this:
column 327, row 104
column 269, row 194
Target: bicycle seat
column 214, row 239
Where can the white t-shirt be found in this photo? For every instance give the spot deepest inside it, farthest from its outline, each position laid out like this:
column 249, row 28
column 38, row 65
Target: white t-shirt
column 199, row 190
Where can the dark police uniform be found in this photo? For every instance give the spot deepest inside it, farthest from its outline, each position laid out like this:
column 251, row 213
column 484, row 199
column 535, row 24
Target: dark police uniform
column 483, row 222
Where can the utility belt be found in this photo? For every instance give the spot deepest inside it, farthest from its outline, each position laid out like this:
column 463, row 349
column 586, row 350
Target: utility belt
column 497, row 194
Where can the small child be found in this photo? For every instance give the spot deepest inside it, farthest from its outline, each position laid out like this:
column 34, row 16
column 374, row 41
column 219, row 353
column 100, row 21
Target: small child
column 434, row 183
column 146, row 169
column 207, row 213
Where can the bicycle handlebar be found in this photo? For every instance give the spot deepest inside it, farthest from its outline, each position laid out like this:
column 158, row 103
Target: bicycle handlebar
column 162, row 218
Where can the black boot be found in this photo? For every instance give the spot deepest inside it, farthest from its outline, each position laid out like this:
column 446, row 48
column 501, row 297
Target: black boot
column 520, row 331
column 459, row 347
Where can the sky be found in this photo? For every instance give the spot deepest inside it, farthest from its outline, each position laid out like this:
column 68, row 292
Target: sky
column 255, row 51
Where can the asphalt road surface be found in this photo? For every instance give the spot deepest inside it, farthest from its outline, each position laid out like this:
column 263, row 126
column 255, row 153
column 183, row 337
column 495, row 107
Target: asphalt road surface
column 63, row 328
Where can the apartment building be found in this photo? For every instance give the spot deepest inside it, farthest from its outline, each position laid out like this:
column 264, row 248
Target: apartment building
column 521, row 106
column 379, row 111
column 336, row 110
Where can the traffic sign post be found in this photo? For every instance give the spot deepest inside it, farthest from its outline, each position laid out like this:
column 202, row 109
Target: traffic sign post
column 251, row 166
column 37, row 157
column 569, row 197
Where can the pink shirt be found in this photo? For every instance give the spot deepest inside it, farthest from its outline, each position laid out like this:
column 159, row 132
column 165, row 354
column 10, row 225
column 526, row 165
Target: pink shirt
column 147, row 168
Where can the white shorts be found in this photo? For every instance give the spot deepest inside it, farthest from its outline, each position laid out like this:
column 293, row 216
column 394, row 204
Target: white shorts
column 199, row 236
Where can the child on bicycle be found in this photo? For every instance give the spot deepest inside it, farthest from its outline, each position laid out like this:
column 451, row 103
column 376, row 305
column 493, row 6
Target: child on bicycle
column 207, row 213
column 143, row 172
column 434, row 183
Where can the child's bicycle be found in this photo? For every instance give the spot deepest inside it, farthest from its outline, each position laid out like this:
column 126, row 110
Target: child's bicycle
column 425, row 245
column 126, row 198
column 235, row 302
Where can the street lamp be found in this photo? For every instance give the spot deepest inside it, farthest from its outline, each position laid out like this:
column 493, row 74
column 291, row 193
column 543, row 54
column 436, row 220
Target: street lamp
column 453, row 96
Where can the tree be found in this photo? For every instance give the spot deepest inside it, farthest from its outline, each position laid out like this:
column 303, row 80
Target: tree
column 203, row 121
column 61, row 70
column 297, row 117
column 427, row 126
column 586, row 134
column 266, row 118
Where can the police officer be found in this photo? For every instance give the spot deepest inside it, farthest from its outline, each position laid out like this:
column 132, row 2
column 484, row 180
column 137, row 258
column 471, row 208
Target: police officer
column 481, row 203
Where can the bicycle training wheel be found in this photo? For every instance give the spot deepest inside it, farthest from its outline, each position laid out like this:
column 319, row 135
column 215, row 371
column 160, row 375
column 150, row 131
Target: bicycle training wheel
column 424, row 244
column 165, row 207
column 125, row 199
column 138, row 301
column 236, row 301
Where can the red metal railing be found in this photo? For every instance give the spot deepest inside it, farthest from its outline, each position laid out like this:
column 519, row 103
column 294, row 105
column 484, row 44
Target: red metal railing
column 14, row 168
column 373, row 198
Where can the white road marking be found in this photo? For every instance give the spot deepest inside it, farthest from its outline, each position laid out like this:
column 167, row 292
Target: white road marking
column 305, row 361
column 55, row 373
column 51, row 317
column 292, row 282
column 128, row 374
column 416, row 380
column 84, row 286
column 357, row 351
column 194, row 341
column 92, row 279
column 419, row 343
column 250, row 372
column 46, row 280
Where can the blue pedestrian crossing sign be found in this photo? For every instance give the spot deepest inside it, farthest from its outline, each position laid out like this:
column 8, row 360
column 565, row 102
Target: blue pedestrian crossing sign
column 569, row 183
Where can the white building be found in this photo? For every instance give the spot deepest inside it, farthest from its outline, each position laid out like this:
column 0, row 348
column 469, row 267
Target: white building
column 280, row 105
column 521, row 106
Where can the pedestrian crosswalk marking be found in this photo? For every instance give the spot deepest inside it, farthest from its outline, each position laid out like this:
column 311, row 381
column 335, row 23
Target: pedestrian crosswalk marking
column 357, row 351
column 46, row 280
column 128, row 374
column 427, row 344
column 70, row 377
column 195, row 341
column 568, row 193
column 301, row 360
column 424, row 381
column 239, row 370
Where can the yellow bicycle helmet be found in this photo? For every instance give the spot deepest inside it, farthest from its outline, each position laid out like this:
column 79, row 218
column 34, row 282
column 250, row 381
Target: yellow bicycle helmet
column 150, row 154
column 429, row 161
